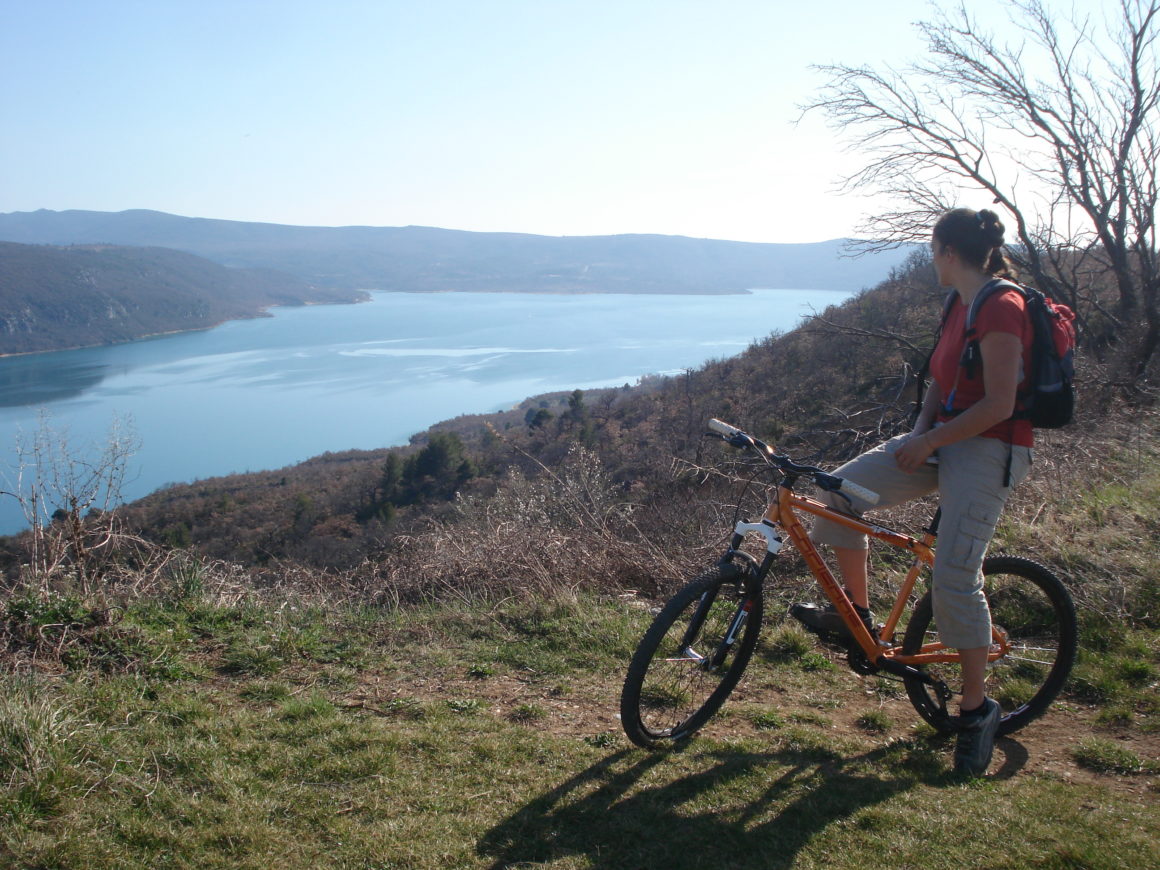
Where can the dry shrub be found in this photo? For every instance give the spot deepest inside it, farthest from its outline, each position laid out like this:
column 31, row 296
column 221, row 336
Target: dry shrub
column 135, row 569
column 543, row 536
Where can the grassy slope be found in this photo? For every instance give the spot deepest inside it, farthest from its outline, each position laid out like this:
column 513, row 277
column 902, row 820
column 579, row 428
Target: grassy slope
column 474, row 736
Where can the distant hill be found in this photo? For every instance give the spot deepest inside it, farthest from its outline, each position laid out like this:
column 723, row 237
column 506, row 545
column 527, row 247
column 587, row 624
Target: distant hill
column 79, row 296
column 429, row 259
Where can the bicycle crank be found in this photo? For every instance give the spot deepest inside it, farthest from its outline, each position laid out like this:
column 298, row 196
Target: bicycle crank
column 858, row 662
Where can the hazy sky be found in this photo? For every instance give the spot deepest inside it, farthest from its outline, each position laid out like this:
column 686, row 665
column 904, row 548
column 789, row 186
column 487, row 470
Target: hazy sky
column 538, row 116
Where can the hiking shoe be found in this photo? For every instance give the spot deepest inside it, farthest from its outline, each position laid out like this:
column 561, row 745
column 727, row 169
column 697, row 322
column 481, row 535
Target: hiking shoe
column 827, row 621
column 976, row 740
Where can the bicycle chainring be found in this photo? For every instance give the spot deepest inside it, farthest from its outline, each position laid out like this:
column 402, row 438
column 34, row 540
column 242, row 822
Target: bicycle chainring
column 858, row 662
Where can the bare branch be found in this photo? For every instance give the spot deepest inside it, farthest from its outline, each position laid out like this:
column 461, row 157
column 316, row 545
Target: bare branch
column 844, row 329
column 1059, row 126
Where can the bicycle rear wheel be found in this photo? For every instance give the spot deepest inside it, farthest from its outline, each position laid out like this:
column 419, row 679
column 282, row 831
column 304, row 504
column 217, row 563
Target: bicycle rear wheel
column 691, row 657
column 1033, row 607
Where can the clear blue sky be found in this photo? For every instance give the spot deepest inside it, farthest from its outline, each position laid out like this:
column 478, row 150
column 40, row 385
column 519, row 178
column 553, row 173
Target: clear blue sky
column 539, row 116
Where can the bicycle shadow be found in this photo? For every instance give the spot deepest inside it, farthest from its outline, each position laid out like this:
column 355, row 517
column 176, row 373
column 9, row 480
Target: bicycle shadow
column 624, row 812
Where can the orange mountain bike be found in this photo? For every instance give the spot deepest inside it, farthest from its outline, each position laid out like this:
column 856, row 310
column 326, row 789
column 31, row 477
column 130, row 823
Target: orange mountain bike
column 700, row 642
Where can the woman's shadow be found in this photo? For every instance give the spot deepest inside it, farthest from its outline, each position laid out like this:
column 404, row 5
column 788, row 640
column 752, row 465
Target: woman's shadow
column 634, row 809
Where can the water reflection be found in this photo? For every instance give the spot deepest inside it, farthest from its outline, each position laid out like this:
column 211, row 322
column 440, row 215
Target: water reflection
column 39, row 379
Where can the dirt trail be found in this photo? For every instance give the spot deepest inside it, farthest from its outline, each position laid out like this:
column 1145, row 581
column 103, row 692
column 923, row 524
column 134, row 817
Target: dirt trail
column 589, row 708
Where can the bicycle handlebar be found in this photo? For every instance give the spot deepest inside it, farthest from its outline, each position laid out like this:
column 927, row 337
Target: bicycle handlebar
column 850, row 488
column 723, row 429
column 735, row 437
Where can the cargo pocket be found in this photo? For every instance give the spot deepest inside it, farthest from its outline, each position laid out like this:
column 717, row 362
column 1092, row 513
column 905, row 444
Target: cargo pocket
column 976, row 526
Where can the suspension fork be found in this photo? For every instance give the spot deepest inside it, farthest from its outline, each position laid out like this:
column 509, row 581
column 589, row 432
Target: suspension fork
column 736, row 623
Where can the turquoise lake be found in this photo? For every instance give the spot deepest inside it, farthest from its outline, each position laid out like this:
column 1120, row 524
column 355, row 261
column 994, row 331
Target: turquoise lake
column 264, row 393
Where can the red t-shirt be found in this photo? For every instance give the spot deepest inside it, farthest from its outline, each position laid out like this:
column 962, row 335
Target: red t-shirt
column 1003, row 311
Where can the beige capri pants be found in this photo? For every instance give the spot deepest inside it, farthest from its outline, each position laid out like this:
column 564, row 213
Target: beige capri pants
column 969, row 479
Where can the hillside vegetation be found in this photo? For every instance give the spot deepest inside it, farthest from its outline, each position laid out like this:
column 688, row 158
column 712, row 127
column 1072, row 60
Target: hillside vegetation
column 53, row 297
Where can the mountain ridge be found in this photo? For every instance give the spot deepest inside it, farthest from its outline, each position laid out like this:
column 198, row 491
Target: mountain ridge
column 424, row 259
column 62, row 297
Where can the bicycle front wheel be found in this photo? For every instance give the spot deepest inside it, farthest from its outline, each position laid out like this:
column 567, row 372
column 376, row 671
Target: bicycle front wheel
column 1033, row 608
column 691, row 657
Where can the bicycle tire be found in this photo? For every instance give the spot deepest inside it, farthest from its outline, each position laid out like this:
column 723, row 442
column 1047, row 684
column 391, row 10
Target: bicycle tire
column 1036, row 611
column 673, row 685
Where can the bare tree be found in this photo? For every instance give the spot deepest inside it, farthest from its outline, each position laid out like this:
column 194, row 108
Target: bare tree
column 67, row 496
column 1057, row 121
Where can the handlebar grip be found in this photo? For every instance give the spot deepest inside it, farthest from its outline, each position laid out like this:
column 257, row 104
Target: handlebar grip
column 724, row 429
column 851, row 488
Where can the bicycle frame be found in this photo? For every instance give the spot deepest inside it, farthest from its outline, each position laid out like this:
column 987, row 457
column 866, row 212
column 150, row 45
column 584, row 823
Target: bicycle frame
column 698, row 645
column 881, row 651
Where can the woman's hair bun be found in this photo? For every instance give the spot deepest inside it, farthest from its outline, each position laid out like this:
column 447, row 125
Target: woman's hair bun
column 991, row 227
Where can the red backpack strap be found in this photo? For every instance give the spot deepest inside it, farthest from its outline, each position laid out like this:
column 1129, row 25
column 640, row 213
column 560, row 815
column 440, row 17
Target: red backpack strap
column 925, row 370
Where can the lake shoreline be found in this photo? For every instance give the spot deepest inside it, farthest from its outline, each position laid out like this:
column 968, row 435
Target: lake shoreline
column 368, row 293
column 263, row 312
column 269, row 392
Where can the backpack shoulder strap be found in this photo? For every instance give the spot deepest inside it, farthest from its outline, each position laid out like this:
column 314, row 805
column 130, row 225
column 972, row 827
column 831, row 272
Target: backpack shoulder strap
column 920, row 381
column 986, row 292
column 948, row 304
column 970, row 358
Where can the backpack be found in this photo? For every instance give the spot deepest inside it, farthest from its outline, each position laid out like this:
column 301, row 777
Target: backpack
column 1048, row 401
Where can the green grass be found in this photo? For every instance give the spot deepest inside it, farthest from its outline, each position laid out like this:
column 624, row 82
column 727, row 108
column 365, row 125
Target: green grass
column 1107, row 756
column 485, row 736
column 528, row 713
column 767, row 720
column 1120, row 672
column 875, row 721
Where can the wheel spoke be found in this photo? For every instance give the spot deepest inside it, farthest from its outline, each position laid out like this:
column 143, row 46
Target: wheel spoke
column 1034, row 613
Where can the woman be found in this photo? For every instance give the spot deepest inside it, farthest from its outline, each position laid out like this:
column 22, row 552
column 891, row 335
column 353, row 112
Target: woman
column 982, row 451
